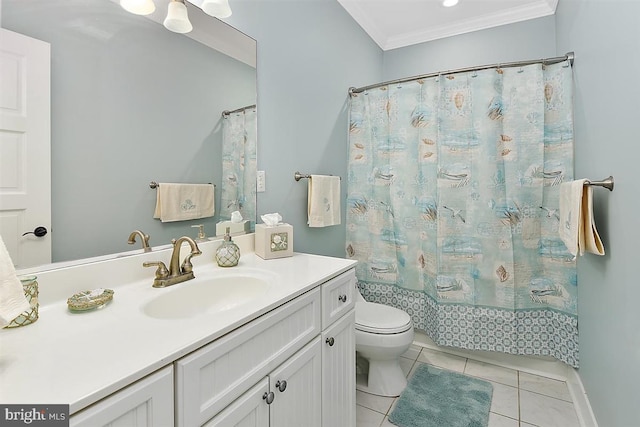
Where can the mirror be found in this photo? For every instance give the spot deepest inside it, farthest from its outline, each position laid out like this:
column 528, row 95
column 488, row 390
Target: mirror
column 131, row 103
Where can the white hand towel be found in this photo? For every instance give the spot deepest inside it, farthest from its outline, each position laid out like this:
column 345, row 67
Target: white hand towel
column 181, row 202
column 12, row 298
column 577, row 226
column 323, row 201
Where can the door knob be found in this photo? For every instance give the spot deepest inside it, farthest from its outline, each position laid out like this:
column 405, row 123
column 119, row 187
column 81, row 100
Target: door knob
column 330, row 341
column 281, row 385
column 342, row 298
column 268, row 397
column 38, row 231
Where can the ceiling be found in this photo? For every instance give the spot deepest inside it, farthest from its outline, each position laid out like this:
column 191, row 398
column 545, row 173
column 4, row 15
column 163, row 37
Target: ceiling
column 399, row 23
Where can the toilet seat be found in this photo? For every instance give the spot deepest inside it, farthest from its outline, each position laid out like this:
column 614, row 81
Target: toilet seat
column 381, row 319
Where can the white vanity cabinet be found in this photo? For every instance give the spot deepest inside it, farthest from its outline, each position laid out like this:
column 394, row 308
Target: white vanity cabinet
column 148, row 402
column 293, row 366
column 210, row 379
column 339, row 352
column 312, row 388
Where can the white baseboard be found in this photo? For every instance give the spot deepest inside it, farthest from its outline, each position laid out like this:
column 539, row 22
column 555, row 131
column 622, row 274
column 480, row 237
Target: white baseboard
column 580, row 400
column 544, row 366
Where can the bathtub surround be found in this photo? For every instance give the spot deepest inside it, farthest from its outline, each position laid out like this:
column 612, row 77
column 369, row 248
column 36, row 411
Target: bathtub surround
column 450, row 180
column 437, row 397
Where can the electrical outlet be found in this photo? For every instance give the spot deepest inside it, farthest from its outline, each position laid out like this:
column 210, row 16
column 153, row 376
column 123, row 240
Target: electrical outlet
column 261, row 183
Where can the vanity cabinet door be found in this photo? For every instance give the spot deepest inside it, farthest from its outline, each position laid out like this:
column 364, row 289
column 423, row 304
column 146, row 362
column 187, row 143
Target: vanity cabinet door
column 296, row 385
column 339, row 373
column 249, row 410
column 148, row 402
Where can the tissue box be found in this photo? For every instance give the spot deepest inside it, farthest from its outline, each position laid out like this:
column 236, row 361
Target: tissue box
column 274, row 242
column 234, row 227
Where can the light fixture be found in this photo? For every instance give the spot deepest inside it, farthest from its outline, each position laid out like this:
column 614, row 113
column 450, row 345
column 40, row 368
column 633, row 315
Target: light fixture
column 449, row 3
column 217, row 8
column 177, row 19
column 138, row 7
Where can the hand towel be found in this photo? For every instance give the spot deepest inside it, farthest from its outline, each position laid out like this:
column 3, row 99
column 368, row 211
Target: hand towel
column 592, row 242
column 323, row 201
column 181, row 202
column 577, row 225
column 12, row 298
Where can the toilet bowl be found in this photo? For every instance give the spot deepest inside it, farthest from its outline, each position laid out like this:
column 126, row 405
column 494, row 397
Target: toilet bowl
column 383, row 334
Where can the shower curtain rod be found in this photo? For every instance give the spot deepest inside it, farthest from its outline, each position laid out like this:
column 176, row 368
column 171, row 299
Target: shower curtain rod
column 226, row 113
column 569, row 56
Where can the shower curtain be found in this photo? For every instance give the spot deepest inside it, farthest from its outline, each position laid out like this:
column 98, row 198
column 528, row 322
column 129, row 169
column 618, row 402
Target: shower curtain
column 239, row 130
column 452, row 207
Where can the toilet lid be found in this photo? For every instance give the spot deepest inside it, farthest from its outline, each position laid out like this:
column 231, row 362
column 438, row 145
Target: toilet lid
column 381, row 319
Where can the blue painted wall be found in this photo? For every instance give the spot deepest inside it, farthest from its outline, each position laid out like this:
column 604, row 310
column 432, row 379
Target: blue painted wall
column 309, row 53
column 525, row 40
column 606, row 38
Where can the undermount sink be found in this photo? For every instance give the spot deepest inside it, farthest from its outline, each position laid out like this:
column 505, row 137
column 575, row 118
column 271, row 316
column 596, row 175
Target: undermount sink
column 212, row 292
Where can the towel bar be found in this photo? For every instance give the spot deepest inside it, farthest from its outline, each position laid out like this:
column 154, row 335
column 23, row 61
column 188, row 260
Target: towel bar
column 298, row 176
column 154, row 184
column 606, row 183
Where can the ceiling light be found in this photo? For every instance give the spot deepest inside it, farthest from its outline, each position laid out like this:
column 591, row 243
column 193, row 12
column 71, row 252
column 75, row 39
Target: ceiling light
column 177, row 19
column 449, row 3
column 138, row 7
column 217, row 8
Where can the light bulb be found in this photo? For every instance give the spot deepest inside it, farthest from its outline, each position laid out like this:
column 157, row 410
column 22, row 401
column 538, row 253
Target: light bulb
column 217, row 8
column 449, row 3
column 177, row 19
column 138, row 7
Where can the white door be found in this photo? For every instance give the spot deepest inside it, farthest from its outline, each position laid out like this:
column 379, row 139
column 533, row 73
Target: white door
column 339, row 373
column 297, row 388
column 25, row 152
column 249, row 410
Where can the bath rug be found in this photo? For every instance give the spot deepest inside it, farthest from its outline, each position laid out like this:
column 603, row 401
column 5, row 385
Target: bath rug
column 437, row 397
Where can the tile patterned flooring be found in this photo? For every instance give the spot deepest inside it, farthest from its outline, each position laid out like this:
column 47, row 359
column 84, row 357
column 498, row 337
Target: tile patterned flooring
column 519, row 399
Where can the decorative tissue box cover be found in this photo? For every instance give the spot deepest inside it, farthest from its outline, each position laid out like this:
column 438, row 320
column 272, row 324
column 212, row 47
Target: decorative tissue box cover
column 274, row 242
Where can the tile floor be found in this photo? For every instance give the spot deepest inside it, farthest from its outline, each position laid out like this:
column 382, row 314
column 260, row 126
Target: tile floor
column 519, row 399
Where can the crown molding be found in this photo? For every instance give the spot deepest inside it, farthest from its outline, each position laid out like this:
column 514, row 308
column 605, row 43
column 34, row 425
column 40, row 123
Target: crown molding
column 512, row 15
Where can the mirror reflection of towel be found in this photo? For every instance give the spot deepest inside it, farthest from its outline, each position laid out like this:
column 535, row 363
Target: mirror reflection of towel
column 12, row 299
column 324, row 201
column 181, row 202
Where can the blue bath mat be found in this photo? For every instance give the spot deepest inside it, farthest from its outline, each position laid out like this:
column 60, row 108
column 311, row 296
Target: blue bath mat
column 437, row 398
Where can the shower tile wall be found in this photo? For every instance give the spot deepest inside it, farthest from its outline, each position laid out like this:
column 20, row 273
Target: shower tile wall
column 520, row 399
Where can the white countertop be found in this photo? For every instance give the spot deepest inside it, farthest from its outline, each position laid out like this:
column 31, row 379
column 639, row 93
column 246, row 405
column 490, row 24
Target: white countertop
column 77, row 359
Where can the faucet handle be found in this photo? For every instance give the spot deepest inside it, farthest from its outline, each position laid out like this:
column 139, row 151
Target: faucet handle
column 161, row 271
column 186, row 266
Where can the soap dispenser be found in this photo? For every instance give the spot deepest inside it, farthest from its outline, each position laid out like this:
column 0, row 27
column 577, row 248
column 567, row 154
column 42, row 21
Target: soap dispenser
column 201, row 236
column 228, row 253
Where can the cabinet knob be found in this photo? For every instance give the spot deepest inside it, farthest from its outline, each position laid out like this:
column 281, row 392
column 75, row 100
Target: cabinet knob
column 268, row 397
column 281, row 385
column 342, row 298
column 330, row 341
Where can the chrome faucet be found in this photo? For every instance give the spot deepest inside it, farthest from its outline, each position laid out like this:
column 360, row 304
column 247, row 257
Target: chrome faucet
column 143, row 237
column 176, row 273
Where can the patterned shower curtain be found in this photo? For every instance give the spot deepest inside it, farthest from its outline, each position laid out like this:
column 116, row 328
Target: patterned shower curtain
column 452, row 207
column 239, row 164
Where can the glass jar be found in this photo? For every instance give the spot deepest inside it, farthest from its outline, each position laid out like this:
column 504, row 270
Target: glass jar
column 30, row 286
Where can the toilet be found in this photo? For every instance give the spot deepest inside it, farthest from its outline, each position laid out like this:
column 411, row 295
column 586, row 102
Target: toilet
column 383, row 334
